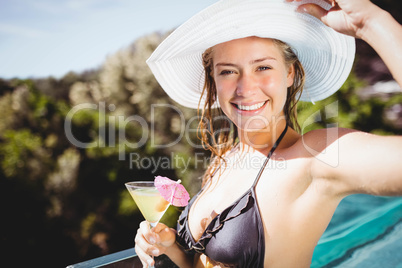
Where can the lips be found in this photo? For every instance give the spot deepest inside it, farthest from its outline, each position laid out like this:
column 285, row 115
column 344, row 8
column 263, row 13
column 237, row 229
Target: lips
column 250, row 108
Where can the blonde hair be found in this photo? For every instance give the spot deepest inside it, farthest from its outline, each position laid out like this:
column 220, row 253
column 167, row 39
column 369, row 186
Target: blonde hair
column 227, row 131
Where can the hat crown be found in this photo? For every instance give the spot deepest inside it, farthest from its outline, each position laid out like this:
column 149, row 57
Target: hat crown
column 327, row 56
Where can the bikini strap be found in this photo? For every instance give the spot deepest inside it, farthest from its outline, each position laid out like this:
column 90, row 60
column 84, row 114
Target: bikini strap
column 271, row 152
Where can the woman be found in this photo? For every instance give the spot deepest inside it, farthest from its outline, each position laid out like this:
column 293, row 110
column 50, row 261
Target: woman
column 272, row 213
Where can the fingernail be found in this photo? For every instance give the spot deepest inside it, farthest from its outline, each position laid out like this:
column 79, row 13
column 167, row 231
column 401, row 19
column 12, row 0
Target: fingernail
column 302, row 9
column 152, row 240
column 155, row 252
column 149, row 262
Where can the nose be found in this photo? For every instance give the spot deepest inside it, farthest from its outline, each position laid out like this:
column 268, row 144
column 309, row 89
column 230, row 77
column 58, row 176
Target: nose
column 246, row 85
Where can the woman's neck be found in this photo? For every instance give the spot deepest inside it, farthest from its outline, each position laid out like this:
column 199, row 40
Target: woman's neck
column 263, row 140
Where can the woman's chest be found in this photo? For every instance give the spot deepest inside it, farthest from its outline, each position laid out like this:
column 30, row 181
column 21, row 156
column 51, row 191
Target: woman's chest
column 277, row 186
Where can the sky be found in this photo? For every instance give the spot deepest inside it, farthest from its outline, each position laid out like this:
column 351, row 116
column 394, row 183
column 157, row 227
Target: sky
column 41, row 38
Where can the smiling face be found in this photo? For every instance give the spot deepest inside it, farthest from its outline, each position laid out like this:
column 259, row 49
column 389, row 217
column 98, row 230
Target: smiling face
column 251, row 80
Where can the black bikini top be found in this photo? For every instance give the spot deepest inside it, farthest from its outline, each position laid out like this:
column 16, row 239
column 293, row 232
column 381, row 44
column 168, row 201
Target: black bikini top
column 235, row 237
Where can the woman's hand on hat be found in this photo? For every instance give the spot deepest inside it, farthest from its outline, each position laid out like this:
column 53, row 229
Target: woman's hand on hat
column 346, row 16
column 365, row 20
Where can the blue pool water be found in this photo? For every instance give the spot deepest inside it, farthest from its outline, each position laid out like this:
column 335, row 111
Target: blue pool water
column 365, row 231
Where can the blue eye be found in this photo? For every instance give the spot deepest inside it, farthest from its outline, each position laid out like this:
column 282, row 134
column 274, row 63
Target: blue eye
column 264, row 68
column 225, row 72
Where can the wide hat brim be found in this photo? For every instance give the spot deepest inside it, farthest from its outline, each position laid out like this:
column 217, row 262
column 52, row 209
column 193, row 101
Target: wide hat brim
column 326, row 55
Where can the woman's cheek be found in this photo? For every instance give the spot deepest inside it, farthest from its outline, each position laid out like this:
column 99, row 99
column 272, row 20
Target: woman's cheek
column 277, row 92
column 224, row 92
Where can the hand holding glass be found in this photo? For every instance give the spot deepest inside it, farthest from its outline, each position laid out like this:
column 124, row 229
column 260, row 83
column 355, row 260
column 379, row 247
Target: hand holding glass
column 148, row 199
column 152, row 197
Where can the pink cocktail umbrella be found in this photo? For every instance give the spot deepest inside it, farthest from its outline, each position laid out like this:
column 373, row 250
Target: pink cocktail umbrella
column 172, row 191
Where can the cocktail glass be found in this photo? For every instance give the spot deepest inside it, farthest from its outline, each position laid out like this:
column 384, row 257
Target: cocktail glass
column 148, row 199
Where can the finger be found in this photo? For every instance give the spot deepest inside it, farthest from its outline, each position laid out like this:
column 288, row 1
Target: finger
column 167, row 237
column 147, row 233
column 315, row 11
column 159, row 227
column 145, row 245
column 331, row 2
column 141, row 256
column 147, row 248
column 145, row 259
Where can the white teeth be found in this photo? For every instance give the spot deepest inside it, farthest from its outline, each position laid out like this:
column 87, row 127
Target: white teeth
column 252, row 107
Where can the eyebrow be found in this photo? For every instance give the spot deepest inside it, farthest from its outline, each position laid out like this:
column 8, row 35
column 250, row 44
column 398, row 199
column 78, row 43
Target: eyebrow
column 262, row 59
column 251, row 62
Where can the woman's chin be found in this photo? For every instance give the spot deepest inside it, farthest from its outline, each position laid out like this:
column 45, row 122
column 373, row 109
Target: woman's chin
column 255, row 128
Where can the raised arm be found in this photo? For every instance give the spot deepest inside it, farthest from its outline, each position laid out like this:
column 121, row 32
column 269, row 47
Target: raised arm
column 348, row 162
column 364, row 20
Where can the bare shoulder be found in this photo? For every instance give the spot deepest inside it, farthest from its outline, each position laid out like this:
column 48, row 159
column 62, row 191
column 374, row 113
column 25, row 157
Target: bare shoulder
column 351, row 158
column 326, row 136
column 315, row 142
column 349, row 139
column 322, row 148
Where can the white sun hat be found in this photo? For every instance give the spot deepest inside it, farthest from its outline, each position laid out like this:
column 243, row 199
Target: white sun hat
column 326, row 55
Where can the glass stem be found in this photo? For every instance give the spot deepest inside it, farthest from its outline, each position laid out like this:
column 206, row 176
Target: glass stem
column 152, row 225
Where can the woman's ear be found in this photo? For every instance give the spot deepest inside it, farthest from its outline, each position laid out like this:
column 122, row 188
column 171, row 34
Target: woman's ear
column 291, row 75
